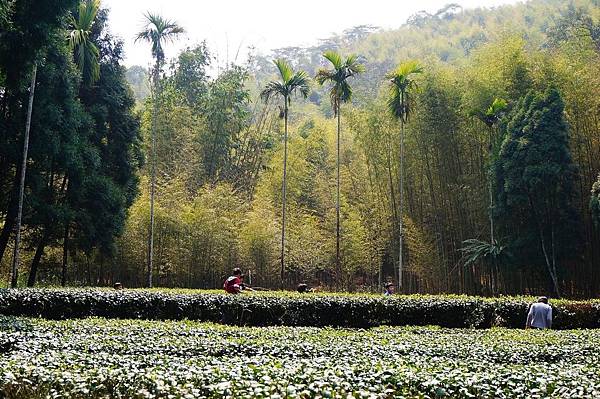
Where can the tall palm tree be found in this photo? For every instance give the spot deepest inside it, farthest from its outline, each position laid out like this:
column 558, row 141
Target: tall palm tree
column 400, row 104
column 493, row 252
column 157, row 31
column 340, row 92
column 86, row 52
column 491, row 117
column 291, row 83
column 86, row 56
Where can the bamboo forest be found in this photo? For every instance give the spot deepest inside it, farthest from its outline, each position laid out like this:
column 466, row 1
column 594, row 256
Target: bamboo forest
column 459, row 153
column 405, row 208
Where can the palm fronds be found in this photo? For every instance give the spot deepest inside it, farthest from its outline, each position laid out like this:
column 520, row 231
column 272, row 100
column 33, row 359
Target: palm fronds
column 401, row 84
column 291, row 83
column 86, row 52
column 341, row 91
column 157, row 31
column 475, row 250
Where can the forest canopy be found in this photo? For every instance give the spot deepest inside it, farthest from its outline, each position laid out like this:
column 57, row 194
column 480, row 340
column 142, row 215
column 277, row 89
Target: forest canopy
column 485, row 176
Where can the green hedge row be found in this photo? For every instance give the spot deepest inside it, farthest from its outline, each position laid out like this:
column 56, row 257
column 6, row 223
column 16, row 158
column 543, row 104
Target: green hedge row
column 290, row 310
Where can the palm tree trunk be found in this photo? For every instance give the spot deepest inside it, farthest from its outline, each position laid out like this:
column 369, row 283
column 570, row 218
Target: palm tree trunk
column 490, row 189
column 401, row 232
column 15, row 264
column 284, row 188
column 152, row 179
column 337, row 202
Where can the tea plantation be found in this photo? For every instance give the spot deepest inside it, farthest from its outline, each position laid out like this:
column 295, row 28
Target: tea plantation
column 100, row 358
column 80, row 343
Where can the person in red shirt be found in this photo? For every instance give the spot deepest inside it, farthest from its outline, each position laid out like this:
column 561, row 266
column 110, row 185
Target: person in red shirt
column 235, row 284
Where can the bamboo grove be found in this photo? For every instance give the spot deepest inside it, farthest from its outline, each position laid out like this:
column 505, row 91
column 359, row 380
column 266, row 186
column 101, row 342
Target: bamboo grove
column 459, row 153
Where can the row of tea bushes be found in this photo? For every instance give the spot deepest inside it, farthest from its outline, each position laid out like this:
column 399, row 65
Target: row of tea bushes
column 103, row 358
column 291, row 309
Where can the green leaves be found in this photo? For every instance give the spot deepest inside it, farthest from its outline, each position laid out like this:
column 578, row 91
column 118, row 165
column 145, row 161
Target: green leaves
column 290, row 83
column 158, row 31
column 341, row 91
column 535, row 176
column 475, row 250
column 401, row 83
column 97, row 358
column 86, row 52
column 272, row 308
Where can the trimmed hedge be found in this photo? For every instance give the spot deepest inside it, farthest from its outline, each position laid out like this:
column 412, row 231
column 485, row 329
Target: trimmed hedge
column 291, row 310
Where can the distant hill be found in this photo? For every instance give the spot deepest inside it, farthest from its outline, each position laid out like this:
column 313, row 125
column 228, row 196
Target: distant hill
column 447, row 36
column 137, row 77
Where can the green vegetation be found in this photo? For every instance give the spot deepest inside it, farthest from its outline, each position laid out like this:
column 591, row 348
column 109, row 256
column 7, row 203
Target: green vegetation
column 83, row 154
column 291, row 83
column 273, row 308
column 484, row 190
column 98, row 358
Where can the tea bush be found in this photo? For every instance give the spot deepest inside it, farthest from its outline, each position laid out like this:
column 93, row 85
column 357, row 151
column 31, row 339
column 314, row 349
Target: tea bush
column 266, row 309
column 100, row 358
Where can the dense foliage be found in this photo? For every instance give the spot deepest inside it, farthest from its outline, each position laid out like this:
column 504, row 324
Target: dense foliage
column 97, row 358
column 292, row 309
column 220, row 150
column 84, row 146
column 474, row 76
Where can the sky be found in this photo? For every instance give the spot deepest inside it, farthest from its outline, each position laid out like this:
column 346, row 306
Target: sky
column 230, row 27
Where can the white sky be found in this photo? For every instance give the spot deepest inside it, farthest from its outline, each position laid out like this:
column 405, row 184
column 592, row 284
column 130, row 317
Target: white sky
column 227, row 25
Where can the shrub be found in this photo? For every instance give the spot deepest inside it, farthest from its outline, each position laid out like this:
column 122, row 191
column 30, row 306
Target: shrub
column 290, row 309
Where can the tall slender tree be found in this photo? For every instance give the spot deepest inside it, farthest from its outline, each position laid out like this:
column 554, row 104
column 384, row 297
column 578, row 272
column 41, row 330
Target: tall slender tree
column 340, row 92
column 400, row 104
column 158, row 31
column 15, row 263
column 79, row 40
column 290, row 84
column 491, row 116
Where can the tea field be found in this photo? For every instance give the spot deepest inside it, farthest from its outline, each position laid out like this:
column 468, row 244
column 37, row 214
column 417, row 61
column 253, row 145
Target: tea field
column 112, row 358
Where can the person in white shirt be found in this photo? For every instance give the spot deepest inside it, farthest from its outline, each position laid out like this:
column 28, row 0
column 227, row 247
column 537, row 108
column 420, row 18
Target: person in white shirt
column 540, row 314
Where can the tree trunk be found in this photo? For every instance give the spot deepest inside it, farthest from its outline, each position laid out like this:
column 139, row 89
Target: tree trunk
column 152, row 178
column 39, row 252
column 338, row 267
column 551, row 270
column 391, row 183
column 400, row 221
column 15, row 264
column 9, row 224
column 284, row 188
column 63, row 278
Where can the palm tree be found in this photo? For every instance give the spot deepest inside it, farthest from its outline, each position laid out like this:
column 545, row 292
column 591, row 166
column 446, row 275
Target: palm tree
column 400, row 105
column 340, row 92
column 493, row 251
column 157, row 32
column 290, row 84
column 85, row 51
column 491, row 117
